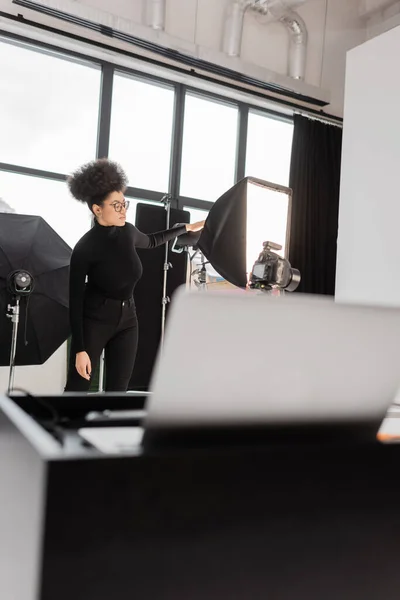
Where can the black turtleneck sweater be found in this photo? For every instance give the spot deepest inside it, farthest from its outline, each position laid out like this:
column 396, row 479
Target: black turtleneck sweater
column 107, row 257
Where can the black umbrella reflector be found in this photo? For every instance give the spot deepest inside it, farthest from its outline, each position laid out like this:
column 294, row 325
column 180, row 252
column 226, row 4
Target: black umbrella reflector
column 241, row 220
column 29, row 244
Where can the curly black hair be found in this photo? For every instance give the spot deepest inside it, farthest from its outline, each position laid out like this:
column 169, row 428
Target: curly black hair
column 92, row 182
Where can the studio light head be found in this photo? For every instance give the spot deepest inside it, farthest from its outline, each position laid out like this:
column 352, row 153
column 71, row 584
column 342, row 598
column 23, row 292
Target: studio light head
column 20, row 283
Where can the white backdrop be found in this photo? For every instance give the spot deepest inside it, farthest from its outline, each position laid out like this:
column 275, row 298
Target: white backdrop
column 368, row 267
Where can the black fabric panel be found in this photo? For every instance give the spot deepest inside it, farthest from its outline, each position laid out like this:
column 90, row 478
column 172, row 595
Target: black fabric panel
column 315, row 181
column 149, row 290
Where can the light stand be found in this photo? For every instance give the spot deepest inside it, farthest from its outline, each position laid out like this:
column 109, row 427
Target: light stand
column 166, row 200
column 101, row 372
column 201, row 272
column 19, row 283
column 14, row 316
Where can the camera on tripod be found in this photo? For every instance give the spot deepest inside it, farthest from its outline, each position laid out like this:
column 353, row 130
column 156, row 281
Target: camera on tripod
column 273, row 272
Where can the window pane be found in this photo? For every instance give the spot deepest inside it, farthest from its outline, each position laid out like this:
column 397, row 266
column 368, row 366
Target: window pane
column 209, row 148
column 141, row 131
column 48, row 199
column 196, row 214
column 269, row 148
column 48, row 109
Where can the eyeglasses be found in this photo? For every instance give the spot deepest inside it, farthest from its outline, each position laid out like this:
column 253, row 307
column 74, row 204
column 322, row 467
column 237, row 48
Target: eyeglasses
column 119, row 206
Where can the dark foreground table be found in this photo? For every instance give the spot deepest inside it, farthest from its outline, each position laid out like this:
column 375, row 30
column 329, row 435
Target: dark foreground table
column 287, row 520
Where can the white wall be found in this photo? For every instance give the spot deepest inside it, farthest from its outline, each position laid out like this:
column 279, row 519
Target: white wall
column 369, row 219
column 195, row 26
column 42, row 379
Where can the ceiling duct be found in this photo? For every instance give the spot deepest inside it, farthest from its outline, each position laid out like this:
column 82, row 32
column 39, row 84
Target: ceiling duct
column 279, row 10
column 233, row 30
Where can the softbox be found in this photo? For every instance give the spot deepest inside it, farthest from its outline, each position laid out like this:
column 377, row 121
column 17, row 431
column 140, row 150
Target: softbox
column 242, row 219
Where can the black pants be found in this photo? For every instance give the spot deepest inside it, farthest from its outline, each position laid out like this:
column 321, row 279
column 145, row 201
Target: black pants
column 109, row 325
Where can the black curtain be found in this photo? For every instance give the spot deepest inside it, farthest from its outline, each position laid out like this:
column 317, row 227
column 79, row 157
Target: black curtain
column 315, row 181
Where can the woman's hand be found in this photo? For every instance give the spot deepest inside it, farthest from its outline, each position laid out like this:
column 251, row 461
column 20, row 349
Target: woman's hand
column 195, row 226
column 83, row 365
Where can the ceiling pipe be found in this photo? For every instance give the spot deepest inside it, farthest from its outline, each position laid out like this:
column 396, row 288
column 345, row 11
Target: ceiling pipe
column 233, row 26
column 154, row 14
column 280, row 10
column 298, row 37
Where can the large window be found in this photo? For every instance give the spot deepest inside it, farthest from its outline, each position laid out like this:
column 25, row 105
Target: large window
column 269, row 145
column 141, row 131
column 48, row 109
column 209, row 148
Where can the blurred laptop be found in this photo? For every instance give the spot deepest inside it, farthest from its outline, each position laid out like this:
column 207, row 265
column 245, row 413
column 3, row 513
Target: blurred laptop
column 251, row 360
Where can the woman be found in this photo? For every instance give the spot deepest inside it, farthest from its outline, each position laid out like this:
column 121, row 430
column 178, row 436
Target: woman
column 102, row 309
